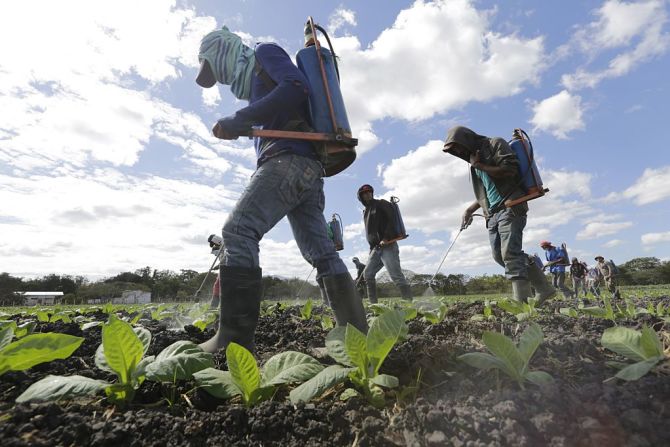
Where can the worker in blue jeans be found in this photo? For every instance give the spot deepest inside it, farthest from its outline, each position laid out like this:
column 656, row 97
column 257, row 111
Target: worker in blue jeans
column 495, row 178
column 287, row 182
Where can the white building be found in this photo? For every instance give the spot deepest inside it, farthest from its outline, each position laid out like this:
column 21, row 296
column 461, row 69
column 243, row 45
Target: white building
column 133, row 297
column 41, row 298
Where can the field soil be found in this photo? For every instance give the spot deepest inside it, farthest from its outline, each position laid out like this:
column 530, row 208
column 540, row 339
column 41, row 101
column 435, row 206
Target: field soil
column 452, row 404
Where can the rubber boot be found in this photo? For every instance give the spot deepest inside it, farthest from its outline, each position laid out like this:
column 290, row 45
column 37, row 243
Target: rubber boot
column 239, row 309
column 344, row 301
column 543, row 290
column 371, row 286
column 406, row 292
column 521, row 290
column 322, row 289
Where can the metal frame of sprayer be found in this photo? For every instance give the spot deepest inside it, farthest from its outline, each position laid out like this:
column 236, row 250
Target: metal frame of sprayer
column 344, row 143
column 216, row 244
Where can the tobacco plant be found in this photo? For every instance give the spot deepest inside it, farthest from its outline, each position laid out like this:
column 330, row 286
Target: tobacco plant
column 642, row 347
column 511, row 359
column 522, row 311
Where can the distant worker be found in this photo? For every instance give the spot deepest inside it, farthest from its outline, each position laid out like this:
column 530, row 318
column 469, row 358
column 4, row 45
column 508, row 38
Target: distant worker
column 494, row 169
column 557, row 259
column 360, row 281
column 609, row 276
column 578, row 276
column 593, row 279
column 384, row 252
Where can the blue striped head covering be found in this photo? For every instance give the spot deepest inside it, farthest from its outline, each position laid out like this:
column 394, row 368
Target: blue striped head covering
column 232, row 61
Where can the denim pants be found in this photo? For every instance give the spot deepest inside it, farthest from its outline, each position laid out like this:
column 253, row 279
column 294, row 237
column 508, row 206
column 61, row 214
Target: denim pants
column 388, row 256
column 285, row 185
column 579, row 283
column 506, row 238
column 559, row 283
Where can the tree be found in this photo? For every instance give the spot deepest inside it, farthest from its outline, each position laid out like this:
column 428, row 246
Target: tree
column 9, row 285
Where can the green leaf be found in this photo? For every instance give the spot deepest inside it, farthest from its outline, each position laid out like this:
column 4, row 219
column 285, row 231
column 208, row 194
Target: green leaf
column 24, row 329
column 482, row 360
column 624, row 341
column 595, row 311
column 42, row 316
column 178, row 362
column 243, row 369
column 306, row 310
column 503, row 348
column 356, row 345
column 336, row 346
column 650, row 343
column 122, row 348
column 145, row 337
column 512, row 307
column 410, row 313
column 90, row 325
column 539, row 378
column 384, row 332
column 529, row 341
column 261, row 395
column 217, row 383
column 58, row 387
column 637, row 370
column 568, row 311
column 7, row 334
column 289, row 367
column 348, row 394
column 326, row 322
column 385, row 380
column 317, row 385
column 101, row 361
column 34, row 349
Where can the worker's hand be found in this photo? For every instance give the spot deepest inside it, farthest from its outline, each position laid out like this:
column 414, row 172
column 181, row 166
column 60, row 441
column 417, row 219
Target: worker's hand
column 382, row 244
column 229, row 128
column 466, row 219
column 474, row 159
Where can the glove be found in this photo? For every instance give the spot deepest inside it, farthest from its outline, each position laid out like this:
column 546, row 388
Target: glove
column 466, row 220
column 229, row 128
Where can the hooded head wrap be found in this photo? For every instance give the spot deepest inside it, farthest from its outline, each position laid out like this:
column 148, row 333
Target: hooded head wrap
column 466, row 138
column 231, row 60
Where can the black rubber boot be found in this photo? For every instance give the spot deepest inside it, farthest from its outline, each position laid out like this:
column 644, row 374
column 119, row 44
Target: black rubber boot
column 240, row 308
column 543, row 290
column 521, row 290
column 406, row 292
column 322, row 289
column 371, row 286
column 345, row 302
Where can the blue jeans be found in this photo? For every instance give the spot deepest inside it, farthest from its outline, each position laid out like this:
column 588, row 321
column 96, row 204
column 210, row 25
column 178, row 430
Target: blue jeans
column 506, row 238
column 286, row 185
column 389, row 257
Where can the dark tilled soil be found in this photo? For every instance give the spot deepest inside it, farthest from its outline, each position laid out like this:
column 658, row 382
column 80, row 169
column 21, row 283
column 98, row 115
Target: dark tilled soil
column 453, row 404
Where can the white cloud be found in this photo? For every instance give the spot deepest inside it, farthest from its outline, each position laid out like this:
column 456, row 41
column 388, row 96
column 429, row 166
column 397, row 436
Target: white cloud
column 453, row 44
column 339, row 18
column 594, row 230
column 613, row 243
column 635, row 26
column 559, row 114
column 354, row 231
column 564, row 183
column 653, row 186
column 655, row 238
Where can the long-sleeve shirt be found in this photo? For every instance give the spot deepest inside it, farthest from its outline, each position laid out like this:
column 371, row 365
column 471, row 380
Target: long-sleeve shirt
column 577, row 270
column 379, row 223
column 553, row 254
column 274, row 106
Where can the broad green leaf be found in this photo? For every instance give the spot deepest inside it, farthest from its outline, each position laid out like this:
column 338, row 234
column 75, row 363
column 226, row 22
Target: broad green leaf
column 34, row 349
column 568, row 311
column 119, row 392
column 650, row 343
column 503, row 348
column 348, row 394
column 539, row 378
column 326, row 322
column 356, row 345
column 122, row 348
column 178, row 362
column 145, row 337
column 101, row 361
column 384, row 332
column 58, row 387
column 244, row 370
column 482, row 360
column 385, row 380
column 317, row 385
column 261, row 394
column 65, row 318
column 306, row 310
column 141, row 370
column 24, row 329
column 336, row 346
column 90, row 325
column 42, row 316
column 200, row 324
column 7, row 334
column 529, row 341
column 289, row 367
column 378, row 309
column 637, row 370
column 512, row 307
column 595, row 311
column 217, row 383
column 624, row 341
column 410, row 313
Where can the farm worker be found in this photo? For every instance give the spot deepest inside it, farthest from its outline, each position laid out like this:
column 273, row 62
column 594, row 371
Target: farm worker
column 593, row 281
column 609, row 276
column 557, row 259
column 360, row 282
column 495, row 174
column 216, row 293
column 578, row 275
column 287, row 182
column 378, row 217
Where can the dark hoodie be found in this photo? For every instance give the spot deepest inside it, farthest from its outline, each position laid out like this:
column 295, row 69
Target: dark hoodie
column 378, row 217
column 495, row 152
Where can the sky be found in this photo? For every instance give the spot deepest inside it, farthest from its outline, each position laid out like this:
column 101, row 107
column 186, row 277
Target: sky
column 107, row 162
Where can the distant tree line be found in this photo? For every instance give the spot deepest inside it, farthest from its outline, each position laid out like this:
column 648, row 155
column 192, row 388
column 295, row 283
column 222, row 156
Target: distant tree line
column 166, row 285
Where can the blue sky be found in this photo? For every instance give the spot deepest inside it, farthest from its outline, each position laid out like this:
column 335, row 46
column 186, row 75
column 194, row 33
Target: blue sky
column 107, row 163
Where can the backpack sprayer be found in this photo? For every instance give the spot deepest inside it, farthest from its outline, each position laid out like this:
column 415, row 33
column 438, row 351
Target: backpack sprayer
column 216, row 244
column 329, row 130
column 335, row 232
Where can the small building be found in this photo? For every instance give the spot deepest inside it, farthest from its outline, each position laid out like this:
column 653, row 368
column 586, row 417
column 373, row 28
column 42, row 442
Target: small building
column 41, row 298
column 133, row 297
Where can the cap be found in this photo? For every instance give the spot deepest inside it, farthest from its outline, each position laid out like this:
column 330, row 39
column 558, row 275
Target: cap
column 598, row 257
column 545, row 243
column 355, row 259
